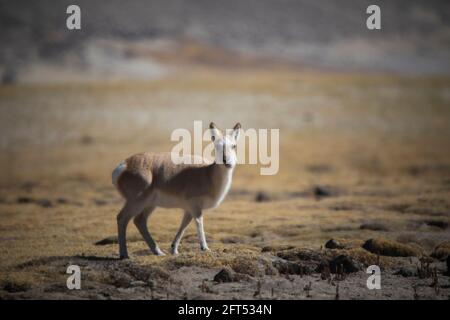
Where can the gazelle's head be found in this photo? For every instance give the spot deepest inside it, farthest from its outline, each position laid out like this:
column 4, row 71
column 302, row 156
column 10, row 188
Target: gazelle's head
column 225, row 146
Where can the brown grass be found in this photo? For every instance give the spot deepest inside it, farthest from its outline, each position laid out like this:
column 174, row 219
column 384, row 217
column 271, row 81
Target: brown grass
column 379, row 143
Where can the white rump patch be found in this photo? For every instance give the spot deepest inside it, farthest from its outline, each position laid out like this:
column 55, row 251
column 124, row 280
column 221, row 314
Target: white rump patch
column 117, row 172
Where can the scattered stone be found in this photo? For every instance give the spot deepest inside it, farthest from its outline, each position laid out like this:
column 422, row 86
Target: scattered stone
column 320, row 192
column 225, row 275
column 333, row 244
column 391, row 248
column 25, row 200
column 262, row 196
column 345, row 262
column 407, row 272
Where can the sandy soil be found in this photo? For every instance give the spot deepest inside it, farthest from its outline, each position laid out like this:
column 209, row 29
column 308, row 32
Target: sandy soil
column 361, row 157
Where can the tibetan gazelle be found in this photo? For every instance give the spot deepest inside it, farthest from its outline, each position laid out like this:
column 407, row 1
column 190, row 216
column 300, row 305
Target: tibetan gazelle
column 149, row 180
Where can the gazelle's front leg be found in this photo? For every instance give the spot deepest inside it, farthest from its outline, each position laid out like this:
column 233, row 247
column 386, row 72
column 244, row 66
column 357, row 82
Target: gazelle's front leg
column 184, row 223
column 201, row 233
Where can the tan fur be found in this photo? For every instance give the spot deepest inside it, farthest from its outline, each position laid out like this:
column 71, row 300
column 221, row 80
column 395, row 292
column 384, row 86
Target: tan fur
column 147, row 172
column 150, row 180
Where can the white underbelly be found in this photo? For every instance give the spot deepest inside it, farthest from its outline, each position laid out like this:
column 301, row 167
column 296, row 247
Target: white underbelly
column 166, row 200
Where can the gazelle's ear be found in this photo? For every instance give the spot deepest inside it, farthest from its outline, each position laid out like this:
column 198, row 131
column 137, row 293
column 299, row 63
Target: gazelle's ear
column 237, row 131
column 215, row 133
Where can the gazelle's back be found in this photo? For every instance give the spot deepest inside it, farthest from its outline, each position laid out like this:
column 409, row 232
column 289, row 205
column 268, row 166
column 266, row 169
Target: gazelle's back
column 157, row 171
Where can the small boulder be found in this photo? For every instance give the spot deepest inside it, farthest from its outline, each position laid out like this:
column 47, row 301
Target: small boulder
column 25, row 200
column 333, row 244
column 391, row 248
column 225, row 275
column 262, row 196
column 321, row 192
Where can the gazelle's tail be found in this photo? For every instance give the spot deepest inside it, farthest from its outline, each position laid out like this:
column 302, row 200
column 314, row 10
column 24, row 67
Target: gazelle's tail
column 117, row 172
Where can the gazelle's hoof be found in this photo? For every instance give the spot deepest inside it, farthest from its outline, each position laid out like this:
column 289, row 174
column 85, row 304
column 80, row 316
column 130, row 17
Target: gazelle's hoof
column 159, row 252
column 205, row 249
column 124, row 257
column 174, row 249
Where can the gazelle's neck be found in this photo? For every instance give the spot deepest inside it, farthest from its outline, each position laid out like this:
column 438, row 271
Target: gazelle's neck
column 221, row 179
column 221, row 170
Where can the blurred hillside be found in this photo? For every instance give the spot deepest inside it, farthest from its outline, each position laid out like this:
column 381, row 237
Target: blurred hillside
column 134, row 38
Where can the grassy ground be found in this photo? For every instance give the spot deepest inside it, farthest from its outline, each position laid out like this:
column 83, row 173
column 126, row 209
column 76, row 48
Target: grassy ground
column 361, row 157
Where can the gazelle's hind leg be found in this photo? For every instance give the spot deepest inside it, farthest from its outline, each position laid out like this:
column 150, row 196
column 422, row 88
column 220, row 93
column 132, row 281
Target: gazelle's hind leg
column 137, row 191
column 141, row 223
column 184, row 223
column 131, row 209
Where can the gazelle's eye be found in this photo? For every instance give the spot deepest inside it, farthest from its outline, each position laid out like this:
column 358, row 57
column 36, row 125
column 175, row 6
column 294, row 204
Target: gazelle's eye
column 234, row 146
